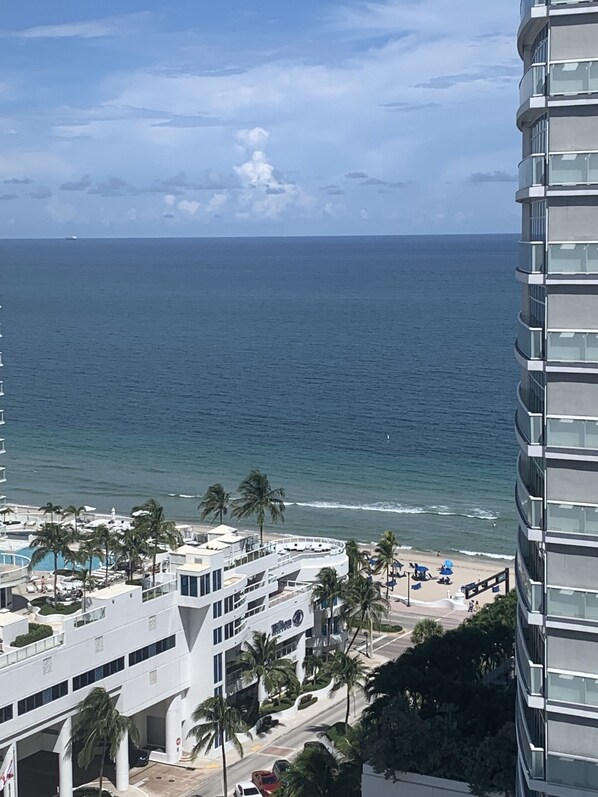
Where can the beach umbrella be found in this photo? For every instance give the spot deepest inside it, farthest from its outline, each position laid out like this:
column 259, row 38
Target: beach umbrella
column 448, row 563
column 398, row 564
column 446, row 571
column 89, row 509
column 421, row 568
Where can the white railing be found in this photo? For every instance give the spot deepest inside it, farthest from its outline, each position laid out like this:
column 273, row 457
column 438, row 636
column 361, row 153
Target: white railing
column 294, row 590
column 13, row 567
column 20, row 654
column 257, row 610
column 253, row 587
column 158, row 590
column 89, row 617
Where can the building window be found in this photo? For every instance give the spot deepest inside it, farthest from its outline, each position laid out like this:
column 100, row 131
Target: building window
column 229, row 630
column 6, row 713
column 218, row 691
column 204, row 585
column 539, row 136
column 217, row 668
column 229, row 604
column 42, row 698
column 98, row 673
column 217, row 610
column 217, row 635
column 216, row 580
column 309, row 633
column 152, row 650
column 540, row 47
column 537, row 220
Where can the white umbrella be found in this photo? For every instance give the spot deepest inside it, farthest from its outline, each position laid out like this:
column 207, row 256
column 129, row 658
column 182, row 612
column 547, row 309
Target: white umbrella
column 140, row 512
column 89, row 509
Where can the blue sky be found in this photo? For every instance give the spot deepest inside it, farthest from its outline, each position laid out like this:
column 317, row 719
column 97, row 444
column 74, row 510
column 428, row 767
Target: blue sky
column 136, row 118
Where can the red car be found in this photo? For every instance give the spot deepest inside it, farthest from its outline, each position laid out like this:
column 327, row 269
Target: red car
column 266, row 782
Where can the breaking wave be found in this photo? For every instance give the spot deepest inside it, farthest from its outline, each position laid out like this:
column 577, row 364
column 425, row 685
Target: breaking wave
column 487, row 555
column 398, row 509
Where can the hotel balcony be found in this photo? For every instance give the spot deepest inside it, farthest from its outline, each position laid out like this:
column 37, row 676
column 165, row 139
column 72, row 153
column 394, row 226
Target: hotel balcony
column 532, row 257
column 530, row 590
column 571, row 519
column 13, row 569
column 578, row 690
column 532, row 172
column 530, row 508
column 532, row 755
column 567, row 770
column 529, row 6
column 572, row 258
column 530, row 671
column 572, row 604
column 530, row 342
column 1, row 387
column 572, row 347
column 576, row 435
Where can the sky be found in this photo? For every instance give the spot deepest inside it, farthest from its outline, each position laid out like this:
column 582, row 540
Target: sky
column 254, row 117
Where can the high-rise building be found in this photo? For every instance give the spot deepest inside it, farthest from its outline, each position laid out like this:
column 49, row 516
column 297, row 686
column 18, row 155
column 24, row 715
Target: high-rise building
column 2, row 470
column 557, row 410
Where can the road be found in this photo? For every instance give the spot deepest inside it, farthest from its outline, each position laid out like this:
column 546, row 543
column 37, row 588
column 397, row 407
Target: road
column 285, row 746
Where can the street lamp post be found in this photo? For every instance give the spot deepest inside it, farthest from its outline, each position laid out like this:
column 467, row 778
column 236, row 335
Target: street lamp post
column 408, row 588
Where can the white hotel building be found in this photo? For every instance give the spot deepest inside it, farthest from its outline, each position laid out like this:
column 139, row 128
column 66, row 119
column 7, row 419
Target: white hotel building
column 163, row 650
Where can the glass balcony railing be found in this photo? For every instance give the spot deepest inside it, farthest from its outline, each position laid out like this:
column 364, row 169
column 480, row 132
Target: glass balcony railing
column 527, row 5
column 573, row 77
column 530, row 507
column 572, row 518
column 532, row 755
column 573, row 168
column 568, row 688
column 574, row 604
column 532, row 591
column 530, row 424
column 570, row 258
column 532, row 257
column 533, row 83
column 532, row 171
column 572, row 771
column 572, row 433
column 530, row 340
column 572, row 347
column 532, row 673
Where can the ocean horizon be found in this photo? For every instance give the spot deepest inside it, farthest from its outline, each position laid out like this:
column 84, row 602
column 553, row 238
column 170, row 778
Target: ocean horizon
column 372, row 378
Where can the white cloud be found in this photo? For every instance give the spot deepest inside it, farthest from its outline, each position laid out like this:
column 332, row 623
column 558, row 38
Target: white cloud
column 60, row 212
column 254, row 138
column 189, row 206
column 87, row 29
column 169, row 200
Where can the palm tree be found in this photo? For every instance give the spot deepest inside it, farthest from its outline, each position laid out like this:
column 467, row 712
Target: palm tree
column 134, row 547
column 260, row 664
column 214, row 503
column 157, row 530
column 425, row 629
column 107, row 541
column 217, row 722
column 347, row 671
column 53, row 539
column 386, row 551
column 75, row 512
column 51, row 509
column 99, row 723
column 89, row 549
column 312, row 665
column 363, row 605
column 258, row 499
column 357, row 557
column 6, row 511
column 327, row 588
column 312, row 774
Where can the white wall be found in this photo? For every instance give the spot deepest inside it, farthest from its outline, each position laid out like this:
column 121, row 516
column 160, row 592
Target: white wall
column 373, row 785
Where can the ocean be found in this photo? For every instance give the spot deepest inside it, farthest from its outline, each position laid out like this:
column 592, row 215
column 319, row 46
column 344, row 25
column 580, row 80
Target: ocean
column 372, row 378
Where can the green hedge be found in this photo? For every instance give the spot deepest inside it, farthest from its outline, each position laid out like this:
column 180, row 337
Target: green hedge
column 306, row 701
column 35, row 634
column 310, row 686
column 60, row 608
column 272, row 708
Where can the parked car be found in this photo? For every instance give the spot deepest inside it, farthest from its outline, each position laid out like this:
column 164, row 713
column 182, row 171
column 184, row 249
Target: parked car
column 280, row 767
column 138, row 757
column 246, row 789
column 315, row 746
column 266, row 781
column 265, row 723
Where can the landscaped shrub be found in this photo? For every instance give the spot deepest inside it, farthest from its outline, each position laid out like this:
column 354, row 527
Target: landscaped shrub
column 60, row 608
column 307, row 700
column 35, row 634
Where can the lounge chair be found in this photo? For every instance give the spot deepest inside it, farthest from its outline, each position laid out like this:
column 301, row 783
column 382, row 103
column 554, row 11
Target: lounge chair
column 30, row 588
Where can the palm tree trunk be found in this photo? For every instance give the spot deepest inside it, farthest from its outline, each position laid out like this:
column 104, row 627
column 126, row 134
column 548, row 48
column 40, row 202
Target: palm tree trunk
column 357, row 630
column 348, row 706
column 104, row 746
column 154, row 563
column 261, row 534
column 55, row 575
column 371, row 638
column 387, row 579
column 224, row 773
column 106, row 564
column 328, row 632
column 221, row 515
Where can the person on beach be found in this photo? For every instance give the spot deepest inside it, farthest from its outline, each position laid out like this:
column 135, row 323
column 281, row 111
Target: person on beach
column 43, row 584
column 470, row 607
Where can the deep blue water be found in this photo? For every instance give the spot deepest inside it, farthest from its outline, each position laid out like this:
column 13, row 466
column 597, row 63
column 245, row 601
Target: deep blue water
column 137, row 368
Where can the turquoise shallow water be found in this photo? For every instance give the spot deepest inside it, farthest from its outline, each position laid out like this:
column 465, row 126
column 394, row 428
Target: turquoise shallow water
column 373, row 378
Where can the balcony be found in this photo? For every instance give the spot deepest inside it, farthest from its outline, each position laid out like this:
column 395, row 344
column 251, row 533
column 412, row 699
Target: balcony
column 532, row 171
column 13, row 569
column 573, row 604
column 572, row 258
column 159, row 590
column 2, row 470
column 1, row 416
column 1, row 387
column 533, row 83
column 573, row 77
column 529, row 424
column 572, row 169
column 530, row 340
column 572, row 347
column 532, row 257
column 572, row 433
column 530, row 508
column 569, row 770
column 531, row 672
column 527, row 5
column 532, row 591
column 573, row 519
column 532, row 755
column 582, row 690
column 20, row 654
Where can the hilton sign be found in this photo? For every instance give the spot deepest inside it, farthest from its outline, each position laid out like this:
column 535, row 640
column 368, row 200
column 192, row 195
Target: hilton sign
column 285, row 625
